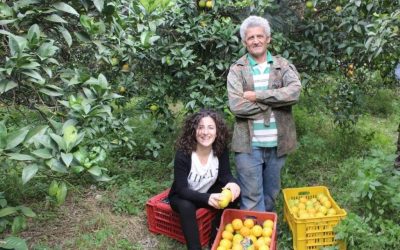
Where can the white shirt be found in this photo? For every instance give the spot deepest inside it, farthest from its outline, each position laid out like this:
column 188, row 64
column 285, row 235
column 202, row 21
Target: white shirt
column 202, row 177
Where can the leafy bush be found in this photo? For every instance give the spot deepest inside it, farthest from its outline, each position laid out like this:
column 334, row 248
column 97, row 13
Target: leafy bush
column 373, row 200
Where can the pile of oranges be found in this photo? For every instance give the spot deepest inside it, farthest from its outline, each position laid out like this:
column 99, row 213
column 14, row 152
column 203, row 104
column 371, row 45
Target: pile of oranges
column 304, row 207
column 246, row 234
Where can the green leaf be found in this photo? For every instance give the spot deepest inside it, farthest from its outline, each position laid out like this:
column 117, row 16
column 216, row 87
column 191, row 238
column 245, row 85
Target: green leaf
column 19, row 224
column 33, row 33
column 27, row 211
column 6, row 11
column 61, row 193
column 28, row 172
column 17, row 45
column 82, row 36
column 50, row 92
column 96, row 171
column 30, row 65
column 21, row 157
column 4, row 22
column 6, row 85
column 55, row 19
column 43, row 153
column 56, row 166
column 67, row 36
column 67, row 158
column 15, row 138
column 144, row 38
column 39, row 130
column 47, row 50
column 66, row 8
column 7, row 211
column 15, row 243
column 34, row 76
column 103, row 178
column 77, row 169
column 99, row 4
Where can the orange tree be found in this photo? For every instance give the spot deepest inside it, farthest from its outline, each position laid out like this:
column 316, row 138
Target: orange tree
column 347, row 50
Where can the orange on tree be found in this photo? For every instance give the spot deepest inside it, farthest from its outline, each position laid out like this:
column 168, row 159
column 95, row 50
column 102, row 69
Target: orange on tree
column 202, row 3
column 125, row 67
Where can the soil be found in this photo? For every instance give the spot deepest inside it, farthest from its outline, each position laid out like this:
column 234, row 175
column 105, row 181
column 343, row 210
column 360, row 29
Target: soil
column 84, row 214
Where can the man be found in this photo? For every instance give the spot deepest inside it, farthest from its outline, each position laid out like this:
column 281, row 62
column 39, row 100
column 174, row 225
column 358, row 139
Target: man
column 262, row 89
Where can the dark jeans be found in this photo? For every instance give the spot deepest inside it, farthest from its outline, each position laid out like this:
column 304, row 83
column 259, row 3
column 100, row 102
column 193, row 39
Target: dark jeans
column 187, row 215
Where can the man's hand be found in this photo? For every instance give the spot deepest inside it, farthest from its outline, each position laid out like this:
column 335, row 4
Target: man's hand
column 250, row 95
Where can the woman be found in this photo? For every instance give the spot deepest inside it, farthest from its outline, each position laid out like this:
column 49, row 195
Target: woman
column 201, row 170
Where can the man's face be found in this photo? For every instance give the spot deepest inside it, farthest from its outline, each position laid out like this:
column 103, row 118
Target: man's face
column 256, row 41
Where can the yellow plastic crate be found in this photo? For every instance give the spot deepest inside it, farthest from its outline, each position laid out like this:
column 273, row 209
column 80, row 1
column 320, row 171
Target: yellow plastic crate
column 312, row 233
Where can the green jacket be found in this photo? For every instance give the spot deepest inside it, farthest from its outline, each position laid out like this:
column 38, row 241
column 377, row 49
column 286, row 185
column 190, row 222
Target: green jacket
column 283, row 91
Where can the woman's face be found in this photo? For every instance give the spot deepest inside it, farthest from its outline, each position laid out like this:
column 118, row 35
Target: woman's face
column 206, row 132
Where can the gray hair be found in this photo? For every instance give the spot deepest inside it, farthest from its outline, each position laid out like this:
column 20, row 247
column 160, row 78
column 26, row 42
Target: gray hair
column 254, row 21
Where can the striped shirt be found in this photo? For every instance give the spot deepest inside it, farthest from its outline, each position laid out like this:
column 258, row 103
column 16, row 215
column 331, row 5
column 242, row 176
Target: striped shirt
column 263, row 136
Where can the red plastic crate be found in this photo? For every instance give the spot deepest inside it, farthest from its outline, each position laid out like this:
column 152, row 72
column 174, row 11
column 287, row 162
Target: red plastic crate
column 230, row 214
column 163, row 220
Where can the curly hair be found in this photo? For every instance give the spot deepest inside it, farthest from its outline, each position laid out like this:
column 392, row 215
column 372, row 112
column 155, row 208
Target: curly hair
column 187, row 140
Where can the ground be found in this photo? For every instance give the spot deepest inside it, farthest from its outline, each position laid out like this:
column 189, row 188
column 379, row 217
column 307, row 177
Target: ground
column 85, row 221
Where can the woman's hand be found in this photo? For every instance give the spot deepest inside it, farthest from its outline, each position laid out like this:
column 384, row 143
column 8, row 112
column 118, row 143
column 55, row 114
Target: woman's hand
column 235, row 189
column 213, row 200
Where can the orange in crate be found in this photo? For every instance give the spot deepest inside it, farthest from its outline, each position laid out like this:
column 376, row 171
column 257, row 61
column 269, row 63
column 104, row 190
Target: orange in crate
column 312, row 233
column 163, row 220
column 258, row 217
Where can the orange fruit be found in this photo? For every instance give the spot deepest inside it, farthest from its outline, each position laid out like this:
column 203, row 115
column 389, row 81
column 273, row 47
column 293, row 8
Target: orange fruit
column 237, row 238
column 256, row 230
column 245, row 231
column 267, row 241
column 266, row 232
column 125, row 67
column 327, row 204
column 227, row 235
column 202, row 3
column 264, row 247
column 237, row 247
column 229, row 228
column 225, row 243
column 237, row 224
column 252, row 238
column 249, row 223
column 268, row 223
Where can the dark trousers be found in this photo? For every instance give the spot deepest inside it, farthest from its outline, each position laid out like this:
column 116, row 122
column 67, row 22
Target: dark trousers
column 186, row 210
